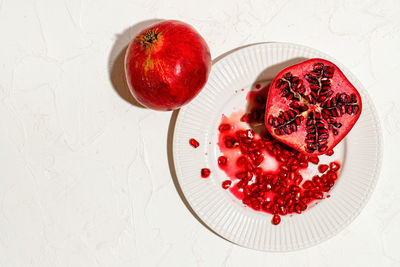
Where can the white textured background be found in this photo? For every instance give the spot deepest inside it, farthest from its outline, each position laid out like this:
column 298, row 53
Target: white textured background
column 84, row 174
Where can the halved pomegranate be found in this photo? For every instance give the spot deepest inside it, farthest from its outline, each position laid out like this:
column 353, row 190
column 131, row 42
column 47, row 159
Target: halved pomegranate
column 312, row 106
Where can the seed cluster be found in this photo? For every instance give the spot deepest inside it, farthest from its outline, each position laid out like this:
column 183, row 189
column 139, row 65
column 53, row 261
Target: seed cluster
column 320, row 121
column 280, row 192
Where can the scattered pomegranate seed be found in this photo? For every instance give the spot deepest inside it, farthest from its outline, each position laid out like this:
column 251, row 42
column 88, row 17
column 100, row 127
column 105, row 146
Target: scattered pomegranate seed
column 323, row 168
column 205, row 172
column 313, row 159
column 194, row 143
column 329, row 152
column 276, row 219
column 224, row 127
column 222, row 160
column 334, row 166
column 226, row 184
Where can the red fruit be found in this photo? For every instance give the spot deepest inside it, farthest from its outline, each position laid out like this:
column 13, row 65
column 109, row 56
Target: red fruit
column 323, row 168
column 312, row 106
column 167, row 64
column 226, row 184
column 205, row 172
column 222, row 160
column 194, row 143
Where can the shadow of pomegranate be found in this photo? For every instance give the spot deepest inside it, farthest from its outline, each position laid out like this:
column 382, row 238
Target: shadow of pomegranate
column 117, row 57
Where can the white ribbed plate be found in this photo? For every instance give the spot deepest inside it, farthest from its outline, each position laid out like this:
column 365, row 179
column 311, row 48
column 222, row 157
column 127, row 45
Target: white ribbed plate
column 360, row 154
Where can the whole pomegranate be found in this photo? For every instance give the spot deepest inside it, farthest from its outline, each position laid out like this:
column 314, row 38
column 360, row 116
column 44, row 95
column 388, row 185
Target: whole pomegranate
column 166, row 65
column 312, row 106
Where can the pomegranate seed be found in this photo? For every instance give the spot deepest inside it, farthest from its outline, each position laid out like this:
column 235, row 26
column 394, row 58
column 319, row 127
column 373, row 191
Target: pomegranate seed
column 241, row 184
column 226, row 184
column 246, row 200
column 332, row 175
column 224, row 127
column 267, row 206
column 313, row 159
column 194, row 143
column 205, row 172
column 298, row 179
column 284, row 168
column 247, row 191
column 276, row 219
column 241, row 161
column 282, row 210
column 294, row 188
column 302, row 206
column 334, row 166
column 329, row 152
column 241, row 175
column 308, row 184
column 222, row 160
column 325, row 188
column 274, row 209
column 255, row 204
column 323, row 168
column 316, row 179
column 318, row 195
column 297, row 209
column 245, row 118
column 303, row 164
column 257, row 172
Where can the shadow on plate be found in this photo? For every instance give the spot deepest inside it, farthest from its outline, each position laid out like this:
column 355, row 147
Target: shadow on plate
column 117, row 57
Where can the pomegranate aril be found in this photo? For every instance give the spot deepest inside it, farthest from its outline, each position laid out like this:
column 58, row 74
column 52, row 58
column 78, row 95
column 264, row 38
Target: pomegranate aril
column 329, row 152
column 334, row 166
column 298, row 179
column 297, row 209
column 255, row 204
column 241, row 161
column 241, row 175
column 308, row 184
column 241, row 184
column 276, row 219
column 194, row 143
column 224, row 127
column 316, row 179
column 332, row 175
column 231, row 142
column 325, row 188
column 226, row 184
column 205, row 172
column 222, row 160
column 313, row 159
column 323, row 168
column 318, row 195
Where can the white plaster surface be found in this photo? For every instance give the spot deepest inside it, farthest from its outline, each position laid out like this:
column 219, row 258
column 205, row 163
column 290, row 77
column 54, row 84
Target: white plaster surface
column 84, row 172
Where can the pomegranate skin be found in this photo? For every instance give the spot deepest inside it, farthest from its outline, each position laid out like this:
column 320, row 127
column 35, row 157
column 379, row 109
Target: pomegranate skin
column 166, row 65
